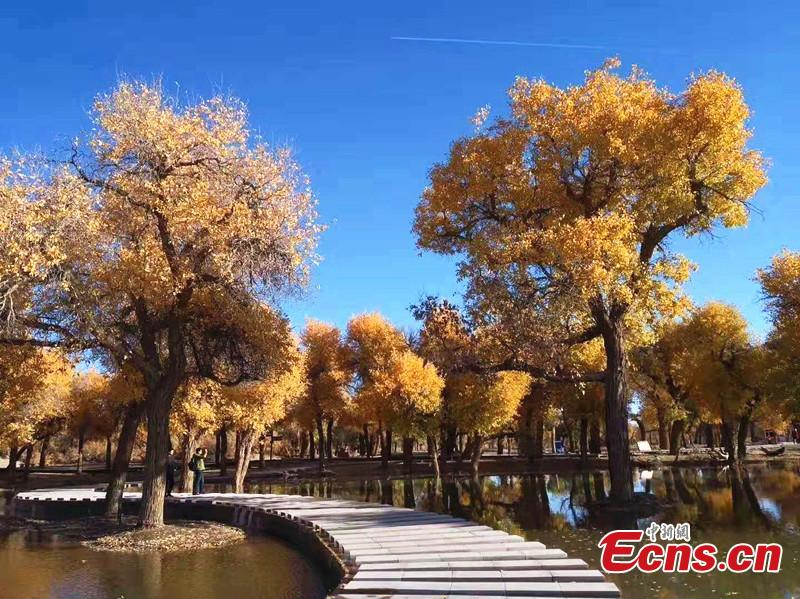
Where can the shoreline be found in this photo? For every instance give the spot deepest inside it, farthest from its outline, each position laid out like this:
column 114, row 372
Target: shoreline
column 302, row 470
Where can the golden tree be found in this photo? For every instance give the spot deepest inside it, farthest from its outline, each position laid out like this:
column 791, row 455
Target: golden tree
column 195, row 411
column 780, row 283
column 372, row 342
column 120, row 249
column 561, row 213
column 485, row 405
column 255, row 407
column 724, row 371
column 86, row 408
column 35, row 385
column 327, row 374
column 409, row 392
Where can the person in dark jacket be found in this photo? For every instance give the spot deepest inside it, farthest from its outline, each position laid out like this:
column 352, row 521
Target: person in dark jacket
column 172, row 467
column 198, row 466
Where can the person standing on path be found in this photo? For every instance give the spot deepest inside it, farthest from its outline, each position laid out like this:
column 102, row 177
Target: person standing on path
column 198, row 466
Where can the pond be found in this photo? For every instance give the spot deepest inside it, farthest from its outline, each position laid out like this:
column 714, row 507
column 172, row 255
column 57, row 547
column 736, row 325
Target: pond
column 762, row 504
column 32, row 566
column 723, row 506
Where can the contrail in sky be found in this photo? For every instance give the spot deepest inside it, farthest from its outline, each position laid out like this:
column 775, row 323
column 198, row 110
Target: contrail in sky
column 455, row 40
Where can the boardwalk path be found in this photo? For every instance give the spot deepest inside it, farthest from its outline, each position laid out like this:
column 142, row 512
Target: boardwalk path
column 384, row 551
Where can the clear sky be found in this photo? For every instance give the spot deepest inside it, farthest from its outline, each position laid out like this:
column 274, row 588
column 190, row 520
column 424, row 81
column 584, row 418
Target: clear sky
column 368, row 113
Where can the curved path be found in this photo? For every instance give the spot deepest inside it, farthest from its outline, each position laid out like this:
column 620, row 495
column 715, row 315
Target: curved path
column 383, row 551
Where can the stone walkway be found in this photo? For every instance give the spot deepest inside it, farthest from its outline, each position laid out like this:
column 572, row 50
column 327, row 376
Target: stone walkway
column 394, row 552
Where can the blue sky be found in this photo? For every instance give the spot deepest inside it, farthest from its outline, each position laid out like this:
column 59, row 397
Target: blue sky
column 368, row 114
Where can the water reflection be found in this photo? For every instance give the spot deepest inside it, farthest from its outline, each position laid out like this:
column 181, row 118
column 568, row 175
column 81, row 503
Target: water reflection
column 724, row 506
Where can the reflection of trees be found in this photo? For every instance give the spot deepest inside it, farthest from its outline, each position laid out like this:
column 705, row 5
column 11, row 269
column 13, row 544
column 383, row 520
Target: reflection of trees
column 744, row 498
column 534, row 505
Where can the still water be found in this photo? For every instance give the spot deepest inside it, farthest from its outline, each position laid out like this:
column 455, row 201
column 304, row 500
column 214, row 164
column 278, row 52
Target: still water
column 723, row 506
column 35, row 566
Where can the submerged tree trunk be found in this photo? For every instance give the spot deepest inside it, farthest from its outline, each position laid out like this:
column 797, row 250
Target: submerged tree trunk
column 122, row 458
column 619, row 458
column 246, row 439
column 43, row 452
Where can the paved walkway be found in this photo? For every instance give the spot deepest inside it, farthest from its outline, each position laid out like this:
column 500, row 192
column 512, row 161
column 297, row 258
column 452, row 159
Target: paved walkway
column 398, row 552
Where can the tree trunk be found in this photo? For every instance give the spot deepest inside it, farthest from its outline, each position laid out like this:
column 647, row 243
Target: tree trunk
column 595, row 444
column 642, row 431
column 261, row 457
column 708, row 431
column 28, row 458
column 237, row 449
column 122, row 458
column 437, row 473
column 663, row 430
column 246, row 439
column 386, row 449
column 584, row 438
column 675, row 435
column 475, row 454
column 43, row 452
column 189, row 447
column 321, row 444
column 744, row 430
column 450, row 436
column 408, row 453
column 108, row 453
column 303, row 444
column 312, row 446
column 223, row 451
column 13, row 456
column 81, row 441
column 157, row 409
column 537, row 451
column 499, row 444
column 367, row 440
column 729, row 435
column 329, row 438
column 619, row 458
column 217, row 445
